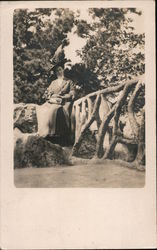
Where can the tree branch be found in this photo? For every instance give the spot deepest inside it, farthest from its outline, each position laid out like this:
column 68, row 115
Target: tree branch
column 102, row 132
column 117, row 111
column 86, row 125
column 110, row 90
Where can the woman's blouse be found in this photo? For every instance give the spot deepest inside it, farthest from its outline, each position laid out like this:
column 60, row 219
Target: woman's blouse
column 63, row 87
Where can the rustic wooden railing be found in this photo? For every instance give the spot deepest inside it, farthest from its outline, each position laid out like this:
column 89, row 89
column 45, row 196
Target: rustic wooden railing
column 87, row 110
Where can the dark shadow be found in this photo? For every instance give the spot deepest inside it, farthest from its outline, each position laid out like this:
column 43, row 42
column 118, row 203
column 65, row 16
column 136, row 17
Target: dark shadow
column 63, row 135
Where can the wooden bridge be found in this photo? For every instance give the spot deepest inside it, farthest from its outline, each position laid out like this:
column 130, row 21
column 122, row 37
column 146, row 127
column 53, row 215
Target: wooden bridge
column 95, row 108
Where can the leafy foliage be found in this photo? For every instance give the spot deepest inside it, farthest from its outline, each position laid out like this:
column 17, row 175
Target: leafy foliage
column 113, row 52
column 84, row 77
column 35, row 40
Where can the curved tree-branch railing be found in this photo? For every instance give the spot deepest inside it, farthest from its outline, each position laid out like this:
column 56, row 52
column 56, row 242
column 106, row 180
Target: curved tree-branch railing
column 86, row 111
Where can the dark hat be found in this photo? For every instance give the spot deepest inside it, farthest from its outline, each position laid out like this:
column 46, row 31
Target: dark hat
column 59, row 64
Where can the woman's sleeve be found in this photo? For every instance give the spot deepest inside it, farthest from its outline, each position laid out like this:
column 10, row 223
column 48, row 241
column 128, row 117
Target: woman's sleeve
column 48, row 93
column 70, row 94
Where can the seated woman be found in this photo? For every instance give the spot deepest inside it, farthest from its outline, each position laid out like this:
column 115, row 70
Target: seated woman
column 54, row 115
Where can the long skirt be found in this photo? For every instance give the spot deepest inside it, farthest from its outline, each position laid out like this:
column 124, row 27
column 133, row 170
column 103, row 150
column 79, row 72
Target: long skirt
column 53, row 119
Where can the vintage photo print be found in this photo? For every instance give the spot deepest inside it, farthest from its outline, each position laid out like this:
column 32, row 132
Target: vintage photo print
column 79, row 97
column 78, row 126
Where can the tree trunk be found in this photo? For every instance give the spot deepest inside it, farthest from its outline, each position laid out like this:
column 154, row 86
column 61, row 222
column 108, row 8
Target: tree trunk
column 109, row 151
column 131, row 115
column 102, row 132
column 140, row 157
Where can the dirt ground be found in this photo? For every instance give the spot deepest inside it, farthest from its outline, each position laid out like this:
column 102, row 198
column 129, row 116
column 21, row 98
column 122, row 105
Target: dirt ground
column 106, row 175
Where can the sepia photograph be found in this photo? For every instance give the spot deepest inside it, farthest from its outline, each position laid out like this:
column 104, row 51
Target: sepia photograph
column 78, row 125
column 79, row 97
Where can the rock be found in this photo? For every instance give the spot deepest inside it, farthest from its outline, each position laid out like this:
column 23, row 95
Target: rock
column 25, row 117
column 125, row 152
column 127, row 130
column 30, row 150
column 88, row 146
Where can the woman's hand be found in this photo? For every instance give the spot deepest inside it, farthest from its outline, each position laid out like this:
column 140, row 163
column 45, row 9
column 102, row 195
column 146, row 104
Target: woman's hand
column 55, row 100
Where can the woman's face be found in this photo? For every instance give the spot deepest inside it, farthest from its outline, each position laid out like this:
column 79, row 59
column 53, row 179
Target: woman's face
column 59, row 72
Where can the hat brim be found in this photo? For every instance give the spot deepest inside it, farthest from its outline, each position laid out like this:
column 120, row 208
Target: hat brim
column 59, row 64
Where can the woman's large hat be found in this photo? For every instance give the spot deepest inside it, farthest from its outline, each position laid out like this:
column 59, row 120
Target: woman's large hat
column 58, row 58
